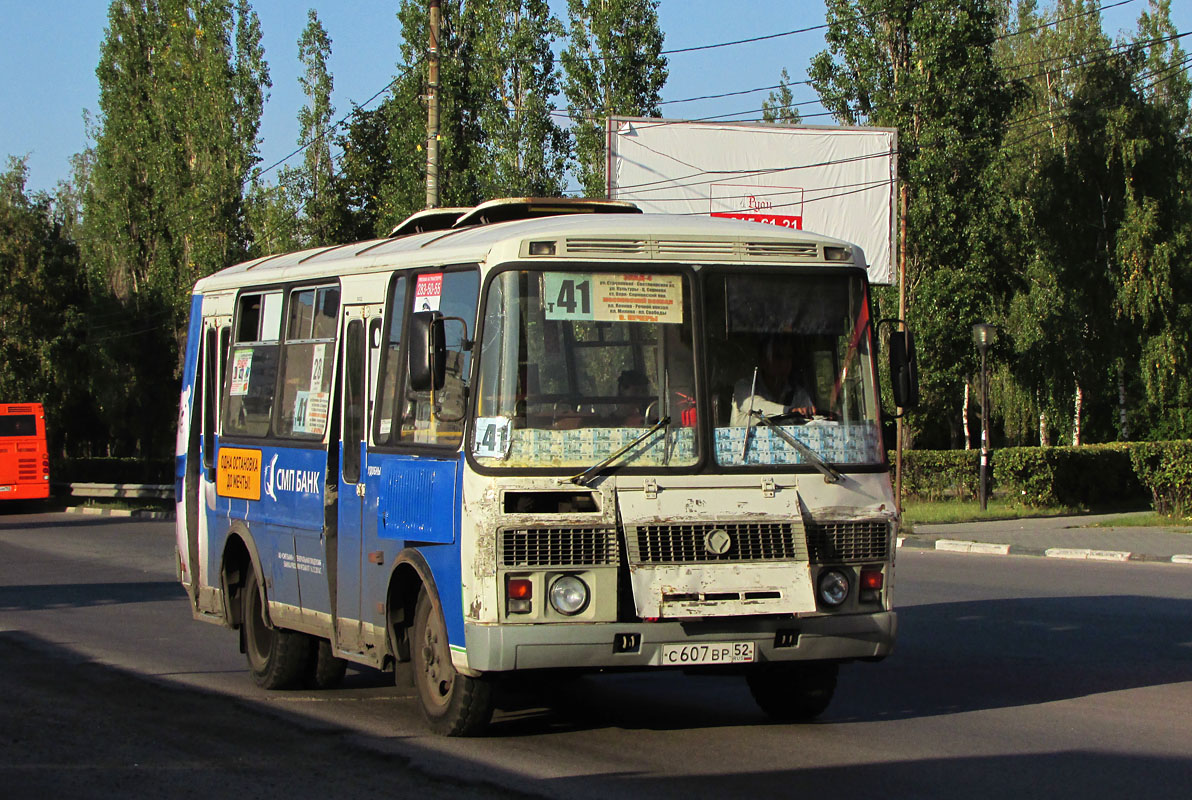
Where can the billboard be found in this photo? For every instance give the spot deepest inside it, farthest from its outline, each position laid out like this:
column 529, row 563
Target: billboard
column 840, row 182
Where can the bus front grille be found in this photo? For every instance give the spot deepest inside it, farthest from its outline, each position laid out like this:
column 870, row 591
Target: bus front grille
column 700, row 542
column 558, row 547
column 857, row 540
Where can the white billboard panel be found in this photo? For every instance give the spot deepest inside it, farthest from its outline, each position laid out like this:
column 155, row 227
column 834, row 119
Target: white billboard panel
column 840, row 182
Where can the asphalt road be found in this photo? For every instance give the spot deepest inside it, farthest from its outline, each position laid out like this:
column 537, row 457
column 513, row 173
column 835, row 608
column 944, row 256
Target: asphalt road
column 1013, row 677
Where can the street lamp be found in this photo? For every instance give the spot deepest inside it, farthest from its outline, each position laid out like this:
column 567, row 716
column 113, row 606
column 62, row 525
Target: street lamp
column 984, row 335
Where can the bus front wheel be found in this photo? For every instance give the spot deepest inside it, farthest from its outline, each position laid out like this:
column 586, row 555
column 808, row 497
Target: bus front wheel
column 453, row 704
column 793, row 692
column 278, row 659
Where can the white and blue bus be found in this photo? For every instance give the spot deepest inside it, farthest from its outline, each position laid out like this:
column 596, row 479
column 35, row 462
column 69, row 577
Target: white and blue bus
column 542, row 435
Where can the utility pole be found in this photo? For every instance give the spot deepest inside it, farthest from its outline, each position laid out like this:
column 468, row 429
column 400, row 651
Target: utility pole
column 432, row 108
column 901, row 315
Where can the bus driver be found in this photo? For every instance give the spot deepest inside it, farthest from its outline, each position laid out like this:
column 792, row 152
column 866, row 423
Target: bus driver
column 772, row 388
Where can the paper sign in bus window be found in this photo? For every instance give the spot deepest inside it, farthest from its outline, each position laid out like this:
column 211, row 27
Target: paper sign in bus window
column 310, row 412
column 317, row 359
column 613, row 297
column 492, row 437
column 428, row 291
column 241, row 372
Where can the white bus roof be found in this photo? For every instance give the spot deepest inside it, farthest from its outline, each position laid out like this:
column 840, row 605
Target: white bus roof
column 586, row 236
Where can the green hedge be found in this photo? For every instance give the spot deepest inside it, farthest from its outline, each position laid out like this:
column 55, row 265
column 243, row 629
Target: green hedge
column 939, row 474
column 1166, row 470
column 1091, row 476
column 111, row 470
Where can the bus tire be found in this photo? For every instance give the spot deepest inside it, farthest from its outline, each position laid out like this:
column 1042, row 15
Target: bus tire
column 277, row 658
column 325, row 670
column 793, row 692
column 453, row 704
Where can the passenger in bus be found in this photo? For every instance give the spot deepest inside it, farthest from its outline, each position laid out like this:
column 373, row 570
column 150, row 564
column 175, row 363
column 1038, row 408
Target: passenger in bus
column 633, row 390
column 774, row 388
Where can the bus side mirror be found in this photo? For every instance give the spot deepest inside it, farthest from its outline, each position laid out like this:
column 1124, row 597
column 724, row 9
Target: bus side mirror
column 427, row 351
column 904, row 371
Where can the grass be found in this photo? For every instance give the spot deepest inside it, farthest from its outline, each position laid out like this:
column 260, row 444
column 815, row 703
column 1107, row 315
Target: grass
column 1148, row 519
column 926, row 512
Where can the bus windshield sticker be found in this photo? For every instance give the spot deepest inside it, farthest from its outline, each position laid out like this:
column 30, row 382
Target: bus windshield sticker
column 427, row 292
column 493, row 437
column 613, row 297
column 241, row 372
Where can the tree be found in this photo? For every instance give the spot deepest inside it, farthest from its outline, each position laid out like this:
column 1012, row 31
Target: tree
column 525, row 151
column 43, row 313
column 613, row 65
column 927, row 69
column 780, row 106
column 181, row 91
column 1058, row 331
column 322, row 218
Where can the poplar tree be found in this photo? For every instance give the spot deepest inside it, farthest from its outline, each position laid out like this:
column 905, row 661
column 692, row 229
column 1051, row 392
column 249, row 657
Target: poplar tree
column 525, row 149
column 182, row 87
column 613, row 65
column 321, row 202
column 780, row 106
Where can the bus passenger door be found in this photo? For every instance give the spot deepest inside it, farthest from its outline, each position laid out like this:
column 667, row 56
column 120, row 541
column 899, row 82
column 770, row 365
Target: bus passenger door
column 354, row 412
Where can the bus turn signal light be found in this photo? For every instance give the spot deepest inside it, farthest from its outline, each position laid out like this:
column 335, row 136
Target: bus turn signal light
column 871, row 579
column 519, row 593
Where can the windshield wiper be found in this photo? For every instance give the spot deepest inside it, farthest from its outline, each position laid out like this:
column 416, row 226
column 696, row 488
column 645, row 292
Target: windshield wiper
column 584, row 477
column 831, row 475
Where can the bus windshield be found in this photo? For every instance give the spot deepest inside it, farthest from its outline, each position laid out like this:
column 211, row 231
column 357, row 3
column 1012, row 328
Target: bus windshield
column 575, row 366
column 791, row 350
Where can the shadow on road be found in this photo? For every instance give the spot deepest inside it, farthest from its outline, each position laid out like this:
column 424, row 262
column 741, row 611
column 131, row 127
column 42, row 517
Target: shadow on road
column 951, row 658
column 71, row 727
column 81, row 595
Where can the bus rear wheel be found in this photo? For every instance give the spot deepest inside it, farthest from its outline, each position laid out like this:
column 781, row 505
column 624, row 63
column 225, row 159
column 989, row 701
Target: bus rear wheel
column 277, row 659
column 453, row 704
column 793, row 692
column 325, row 670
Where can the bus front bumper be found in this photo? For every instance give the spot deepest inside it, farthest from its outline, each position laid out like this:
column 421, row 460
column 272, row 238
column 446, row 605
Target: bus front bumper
column 501, row 648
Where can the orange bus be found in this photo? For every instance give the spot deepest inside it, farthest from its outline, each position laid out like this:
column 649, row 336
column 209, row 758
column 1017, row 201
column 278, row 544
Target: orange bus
column 24, row 460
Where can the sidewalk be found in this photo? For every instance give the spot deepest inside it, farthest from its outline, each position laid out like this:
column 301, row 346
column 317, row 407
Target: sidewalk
column 1057, row 537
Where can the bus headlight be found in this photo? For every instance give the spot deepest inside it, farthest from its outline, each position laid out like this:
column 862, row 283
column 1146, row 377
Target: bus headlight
column 569, row 595
column 833, row 587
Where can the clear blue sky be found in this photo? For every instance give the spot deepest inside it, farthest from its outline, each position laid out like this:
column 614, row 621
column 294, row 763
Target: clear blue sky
column 49, row 49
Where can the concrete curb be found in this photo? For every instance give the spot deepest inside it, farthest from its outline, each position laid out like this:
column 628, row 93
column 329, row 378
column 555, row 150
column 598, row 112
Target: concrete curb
column 137, row 513
column 1087, row 554
column 991, row 548
column 985, row 548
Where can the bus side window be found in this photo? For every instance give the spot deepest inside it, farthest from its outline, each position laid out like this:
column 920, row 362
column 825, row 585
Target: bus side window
column 252, row 376
column 210, row 388
column 391, row 367
column 308, row 368
column 445, row 424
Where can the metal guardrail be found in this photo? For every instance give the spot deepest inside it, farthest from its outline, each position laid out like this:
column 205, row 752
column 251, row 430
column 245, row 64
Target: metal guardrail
column 144, row 491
